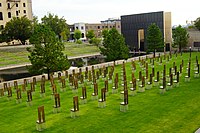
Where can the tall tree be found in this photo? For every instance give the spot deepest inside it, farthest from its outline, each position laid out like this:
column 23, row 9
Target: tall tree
column 114, row 46
column 17, row 29
column 46, row 56
column 197, row 23
column 77, row 34
column 154, row 38
column 58, row 25
column 180, row 37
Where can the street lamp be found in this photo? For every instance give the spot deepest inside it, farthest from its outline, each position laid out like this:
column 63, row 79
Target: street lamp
column 190, row 52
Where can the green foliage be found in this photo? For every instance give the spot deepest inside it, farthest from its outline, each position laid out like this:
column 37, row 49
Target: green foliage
column 93, row 61
column 35, row 20
column 197, row 23
column 17, row 29
column 96, row 41
column 90, row 34
column 79, row 42
column 105, row 33
column 58, row 25
column 180, row 37
column 90, row 41
column 191, row 27
column 77, row 34
column 114, row 46
column 154, row 38
column 77, row 62
column 47, row 55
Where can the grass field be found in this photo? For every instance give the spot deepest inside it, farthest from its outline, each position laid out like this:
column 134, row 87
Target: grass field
column 176, row 111
column 17, row 56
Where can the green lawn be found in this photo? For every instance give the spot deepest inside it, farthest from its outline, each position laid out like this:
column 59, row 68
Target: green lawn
column 17, row 56
column 176, row 111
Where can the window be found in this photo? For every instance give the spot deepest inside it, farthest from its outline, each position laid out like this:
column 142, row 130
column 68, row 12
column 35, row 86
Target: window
column 1, row 27
column 1, row 16
column 17, row 5
column 17, row 13
column 82, row 35
column 98, row 27
column 77, row 27
column 82, row 28
column 0, row 4
column 8, row 5
column 9, row 14
column 24, row 4
column 86, row 27
column 24, row 11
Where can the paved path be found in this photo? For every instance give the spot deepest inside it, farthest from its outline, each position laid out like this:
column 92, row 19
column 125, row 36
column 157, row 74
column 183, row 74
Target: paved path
column 14, row 47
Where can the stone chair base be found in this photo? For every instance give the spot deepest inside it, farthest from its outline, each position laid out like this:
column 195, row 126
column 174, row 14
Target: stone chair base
column 187, row 79
column 42, row 95
column 132, row 91
column 83, row 100
column 114, row 91
column 122, row 95
column 94, row 97
column 141, row 88
column 169, row 86
column 162, row 90
column 123, row 107
column 40, row 126
column 196, row 75
column 74, row 91
column 29, row 103
column 110, row 81
column 156, row 83
column 9, row 98
column 62, row 89
column 176, row 84
column 56, row 110
column 74, row 114
column 18, row 101
column 149, row 86
column 101, row 104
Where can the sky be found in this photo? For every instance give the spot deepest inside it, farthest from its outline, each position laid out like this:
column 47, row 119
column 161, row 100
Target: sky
column 94, row 11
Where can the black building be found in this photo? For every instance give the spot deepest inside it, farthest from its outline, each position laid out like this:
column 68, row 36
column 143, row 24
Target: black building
column 134, row 28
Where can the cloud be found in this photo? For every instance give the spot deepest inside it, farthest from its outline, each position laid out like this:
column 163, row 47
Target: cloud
column 97, row 10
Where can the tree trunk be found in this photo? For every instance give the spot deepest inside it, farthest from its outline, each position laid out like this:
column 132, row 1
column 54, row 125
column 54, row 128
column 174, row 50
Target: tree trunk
column 23, row 42
column 48, row 72
column 154, row 53
column 179, row 48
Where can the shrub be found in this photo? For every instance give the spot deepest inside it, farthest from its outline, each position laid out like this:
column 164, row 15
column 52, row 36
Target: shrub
column 96, row 41
column 79, row 42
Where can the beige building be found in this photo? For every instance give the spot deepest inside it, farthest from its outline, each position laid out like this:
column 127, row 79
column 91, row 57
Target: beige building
column 96, row 27
column 14, row 8
column 107, row 24
column 194, row 40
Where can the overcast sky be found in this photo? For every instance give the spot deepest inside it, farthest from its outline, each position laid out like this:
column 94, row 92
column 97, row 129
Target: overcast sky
column 94, row 11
